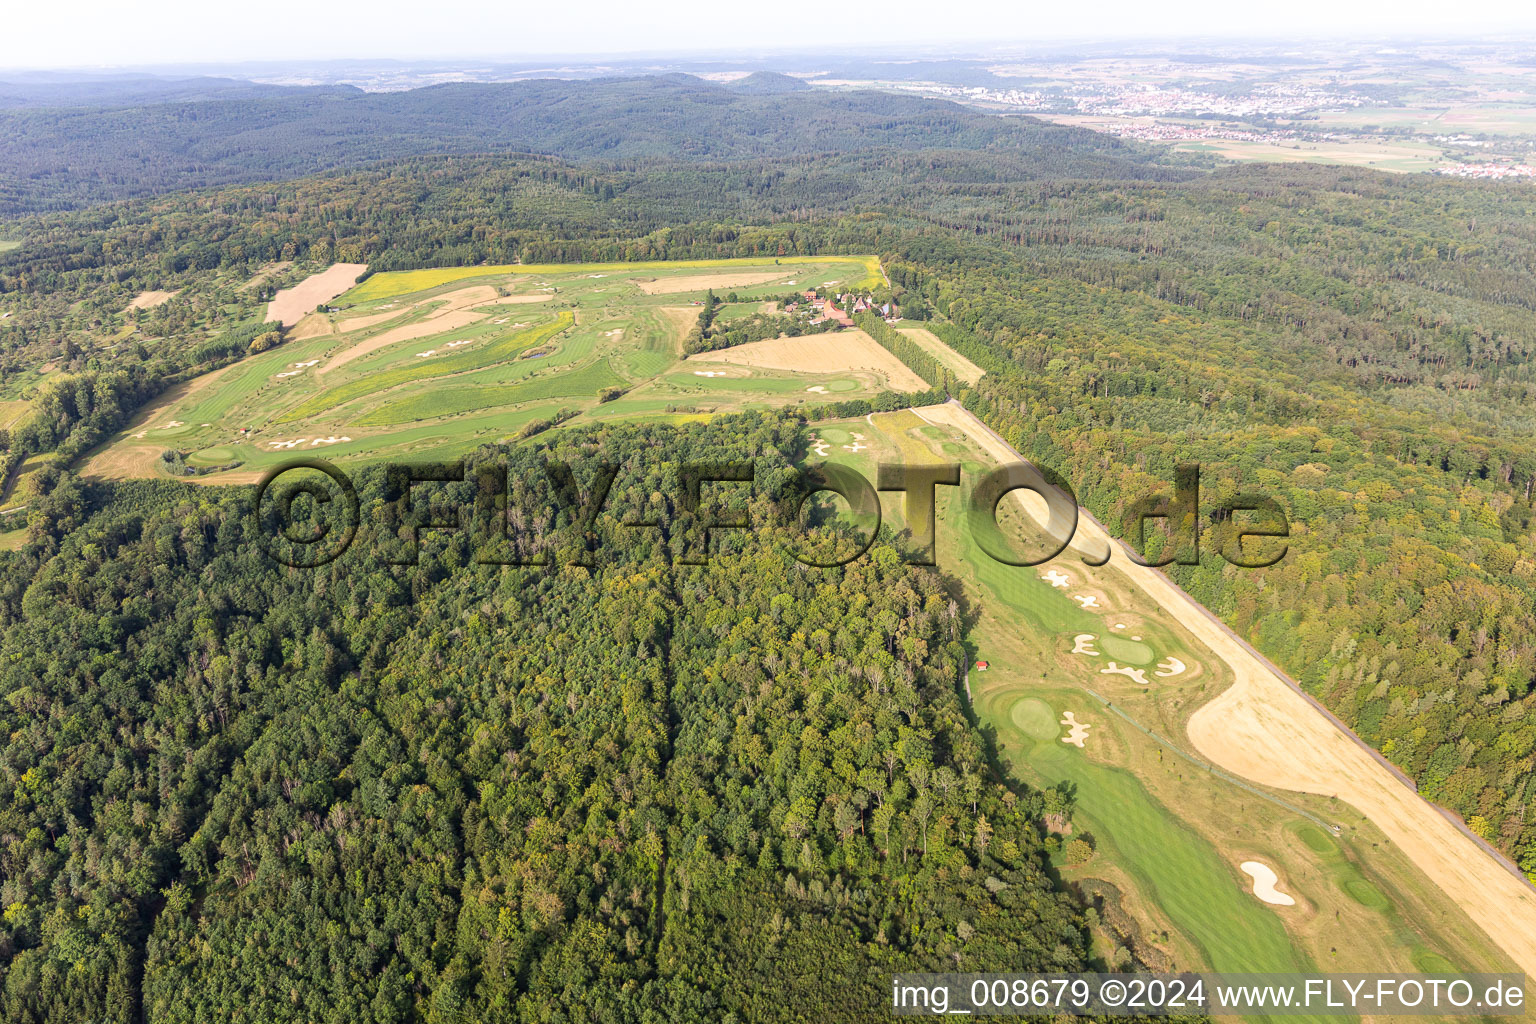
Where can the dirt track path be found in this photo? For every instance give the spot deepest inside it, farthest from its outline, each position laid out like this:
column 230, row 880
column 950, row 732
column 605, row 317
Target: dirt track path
column 1265, row 730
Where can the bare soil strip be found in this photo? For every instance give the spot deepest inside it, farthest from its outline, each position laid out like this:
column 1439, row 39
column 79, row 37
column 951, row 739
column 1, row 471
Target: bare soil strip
column 703, row 282
column 291, row 305
column 362, row 323
column 1265, row 729
column 841, row 352
column 449, row 320
column 953, row 361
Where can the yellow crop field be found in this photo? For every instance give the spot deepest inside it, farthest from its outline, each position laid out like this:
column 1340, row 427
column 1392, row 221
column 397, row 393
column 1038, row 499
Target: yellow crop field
column 393, row 283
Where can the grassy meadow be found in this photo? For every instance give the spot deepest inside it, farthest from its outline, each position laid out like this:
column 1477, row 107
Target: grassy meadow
column 446, row 359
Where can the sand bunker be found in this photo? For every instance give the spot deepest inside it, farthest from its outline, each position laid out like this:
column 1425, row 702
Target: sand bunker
column 1083, row 644
column 1056, row 579
column 820, row 353
column 1135, row 675
column 1264, row 879
column 291, row 305
column 1170, row 667
column 817, row 388
column 704, row 282
column 1079, row 735
column 1086, row 600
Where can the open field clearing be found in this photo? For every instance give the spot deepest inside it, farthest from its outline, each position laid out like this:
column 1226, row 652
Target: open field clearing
column 1502, row 119
column 1402, row 157
column 470, row 358
column 443, row 313
column 704, row 282
column 405, row 282
column 438, row 323
column 951, row 360
column 1260, row 729
column 820, row 353
column 13, row 412
column 291, row 305
column 452, row 401
column 371, row 383
column 149, row 300
column 8, row 245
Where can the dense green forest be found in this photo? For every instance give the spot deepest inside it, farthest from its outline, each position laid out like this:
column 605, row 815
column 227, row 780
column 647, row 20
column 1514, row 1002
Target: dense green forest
column 70, row 156
column 236, row 789
column 241, row 792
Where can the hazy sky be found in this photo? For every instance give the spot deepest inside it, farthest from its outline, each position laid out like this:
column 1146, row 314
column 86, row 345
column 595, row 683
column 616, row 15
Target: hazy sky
column 83, row 33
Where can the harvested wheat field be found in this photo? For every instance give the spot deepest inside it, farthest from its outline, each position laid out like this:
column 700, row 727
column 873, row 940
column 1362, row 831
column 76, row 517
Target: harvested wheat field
column 149, row 300
column 820, row 353
column 1265, row 730
column 291, row 305
column 123, row 462
column 704, row 282
column 312, row 326
column 951, row 360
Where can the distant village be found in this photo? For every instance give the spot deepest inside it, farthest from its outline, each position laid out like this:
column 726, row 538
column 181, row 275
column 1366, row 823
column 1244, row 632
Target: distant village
column 1491, row 171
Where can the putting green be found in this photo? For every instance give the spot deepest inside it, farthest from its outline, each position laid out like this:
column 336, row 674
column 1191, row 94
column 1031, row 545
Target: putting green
column 1133, row 652
column 1366, row 893
column 215, row 456
column 1035, row 719
column 1315, row 840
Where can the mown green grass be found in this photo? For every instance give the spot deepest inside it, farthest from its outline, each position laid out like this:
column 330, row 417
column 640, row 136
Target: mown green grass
column 473, row 359
column 1181, row 871
column 13, row 412
column 1122, row 649
column 403, row 282
column 450, row 401
column 1036, row 720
